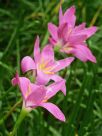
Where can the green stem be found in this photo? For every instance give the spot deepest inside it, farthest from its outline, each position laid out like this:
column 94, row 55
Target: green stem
column 22, row 115
column 9, row 113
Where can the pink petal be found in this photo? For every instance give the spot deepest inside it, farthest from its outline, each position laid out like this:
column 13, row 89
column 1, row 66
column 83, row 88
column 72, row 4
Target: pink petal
column 23, row 84
column 61, row 64
column 36, row 97
column 53, row 30
column 84, row 54
column 47, row 53
column 60, row 16
column 63, row 31
column 54, row 88
column 27, row 64
column 57, row 78
column 14, row 81
column 54, row 110
column 79, row 27
column 36, row 50
column 88, row 31
column 77, row 39
column 52, row 41
column 69, row 16
column 42, row 78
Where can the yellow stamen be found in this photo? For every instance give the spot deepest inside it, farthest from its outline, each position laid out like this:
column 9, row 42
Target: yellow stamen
column 45, row 99
column 48, row 72
column 46, row 69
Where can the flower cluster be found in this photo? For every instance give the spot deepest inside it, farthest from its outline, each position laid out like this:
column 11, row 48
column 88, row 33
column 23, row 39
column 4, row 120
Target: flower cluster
column 67, row 38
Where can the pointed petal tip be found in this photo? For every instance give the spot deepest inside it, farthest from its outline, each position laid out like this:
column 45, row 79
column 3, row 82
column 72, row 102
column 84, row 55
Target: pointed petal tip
column 74, row 8
column 37, row 41
column 84, row 24
column 60, row 10
column 15, row 80
column 93, row 59
column 72, row 58
column 37, row 37
column 54, row 110
column 49, row 23
column 63, row 119
column 84, row 54
column 36, row 51
column 64, row 87
column 64, row 93
column 95, row 28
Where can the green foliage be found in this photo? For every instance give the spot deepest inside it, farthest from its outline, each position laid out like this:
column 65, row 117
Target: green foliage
column 21, row 21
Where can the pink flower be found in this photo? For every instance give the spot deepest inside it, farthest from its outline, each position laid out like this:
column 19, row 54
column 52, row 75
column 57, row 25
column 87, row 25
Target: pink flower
column 44, row 64
column 37, row 95
column 70, row 38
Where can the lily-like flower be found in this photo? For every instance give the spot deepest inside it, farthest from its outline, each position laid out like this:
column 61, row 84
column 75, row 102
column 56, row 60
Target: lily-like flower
column 37, row 95
column 44, row 64
column 71, row 39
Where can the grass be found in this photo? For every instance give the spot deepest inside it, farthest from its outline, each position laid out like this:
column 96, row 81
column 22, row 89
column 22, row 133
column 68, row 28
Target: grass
column 20, row 22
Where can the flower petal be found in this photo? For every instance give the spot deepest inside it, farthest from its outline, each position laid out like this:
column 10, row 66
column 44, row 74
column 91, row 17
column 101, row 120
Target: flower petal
column 54, row 110
column 69, row 16
column 54, row 88
column 63, row 31
column 36, row 50
column 77, row 39
column 79, row 27
column 23, row 84
column 42, row 78
column 47, row 53
column 57, row 78
column 52, row 41
column 88, row 31
column 53, row 30
column 27, row 64
column 61, row 64
column 60, row 16
column 83, row 53
column 36, row 97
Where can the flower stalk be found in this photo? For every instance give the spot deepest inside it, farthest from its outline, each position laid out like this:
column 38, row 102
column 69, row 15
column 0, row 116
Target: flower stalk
column 22, row 115
column 10, row 112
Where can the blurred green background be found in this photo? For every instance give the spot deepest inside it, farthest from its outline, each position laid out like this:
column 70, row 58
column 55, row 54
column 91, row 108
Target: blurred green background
column 20, row 22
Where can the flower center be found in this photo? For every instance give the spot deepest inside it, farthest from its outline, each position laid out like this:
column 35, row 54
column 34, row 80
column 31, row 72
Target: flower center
column 67, row 48
column 46, row 66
